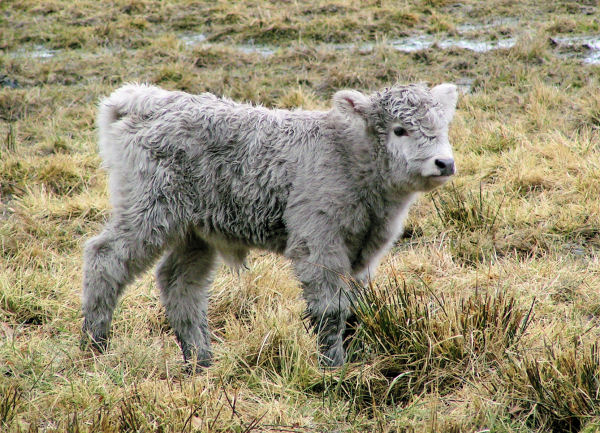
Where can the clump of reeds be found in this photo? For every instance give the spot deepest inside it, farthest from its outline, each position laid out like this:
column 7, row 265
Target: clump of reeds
column 415, row 341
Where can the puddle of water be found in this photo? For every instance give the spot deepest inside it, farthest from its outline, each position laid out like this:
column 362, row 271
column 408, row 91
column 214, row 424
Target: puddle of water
column 38, row 52
column 590, row 43
column 263, row 50
column 193, row 39
column 247, row 48
column 593, row 58
column 412, row 44
column 478, row 46
column 365, row 47
column 43, row 54
column 409, row 45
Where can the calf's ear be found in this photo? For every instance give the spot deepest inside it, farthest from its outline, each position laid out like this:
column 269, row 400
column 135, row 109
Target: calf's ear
column 446, row 95
column 351, row 103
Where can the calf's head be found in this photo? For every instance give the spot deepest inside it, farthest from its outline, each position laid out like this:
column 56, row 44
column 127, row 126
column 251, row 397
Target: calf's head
column 406, row 127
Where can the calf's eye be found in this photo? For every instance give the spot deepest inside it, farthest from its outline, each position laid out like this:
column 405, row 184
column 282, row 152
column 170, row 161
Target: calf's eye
column 400, row 131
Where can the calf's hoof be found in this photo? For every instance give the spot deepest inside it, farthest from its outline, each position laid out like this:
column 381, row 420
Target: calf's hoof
column 332, row 357
column 193, row 366
column 93, row 336
column 196, row 359
column 98, row 343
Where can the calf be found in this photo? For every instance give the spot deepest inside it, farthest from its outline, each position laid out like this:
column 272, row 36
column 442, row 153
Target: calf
column 194, row 177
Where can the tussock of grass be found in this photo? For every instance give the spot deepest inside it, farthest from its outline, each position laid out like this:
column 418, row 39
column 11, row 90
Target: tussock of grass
column 420, row 342
column 471, row 222
column 466, row 211
column 589, row 113
column 531, row 48
column 10, row 399
column 558, row 391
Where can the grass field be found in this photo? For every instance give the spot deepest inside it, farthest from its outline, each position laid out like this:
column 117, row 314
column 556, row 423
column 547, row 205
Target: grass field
column 485, row 317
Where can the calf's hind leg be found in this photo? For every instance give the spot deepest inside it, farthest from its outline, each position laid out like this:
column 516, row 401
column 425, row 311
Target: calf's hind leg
column 111, row 260
column 184, row 275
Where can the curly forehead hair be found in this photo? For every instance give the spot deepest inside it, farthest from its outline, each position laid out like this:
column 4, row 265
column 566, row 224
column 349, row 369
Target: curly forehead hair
column 412, row 105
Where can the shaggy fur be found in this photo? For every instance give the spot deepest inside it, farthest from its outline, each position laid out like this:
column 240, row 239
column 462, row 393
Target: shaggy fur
column 193, row 177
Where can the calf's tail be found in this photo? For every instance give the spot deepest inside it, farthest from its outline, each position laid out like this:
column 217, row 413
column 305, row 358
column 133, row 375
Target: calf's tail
column 131, row 100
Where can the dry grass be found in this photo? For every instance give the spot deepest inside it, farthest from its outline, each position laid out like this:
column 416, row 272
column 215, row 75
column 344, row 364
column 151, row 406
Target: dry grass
column 447, row 338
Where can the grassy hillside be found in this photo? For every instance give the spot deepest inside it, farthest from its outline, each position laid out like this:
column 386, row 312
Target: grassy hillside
column 484, row 317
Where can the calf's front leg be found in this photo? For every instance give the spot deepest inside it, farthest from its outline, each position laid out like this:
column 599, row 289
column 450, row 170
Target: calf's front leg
column 328, row 306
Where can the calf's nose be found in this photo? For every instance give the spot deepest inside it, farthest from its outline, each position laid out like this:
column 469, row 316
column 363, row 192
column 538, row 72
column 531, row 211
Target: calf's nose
column 446, row 166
